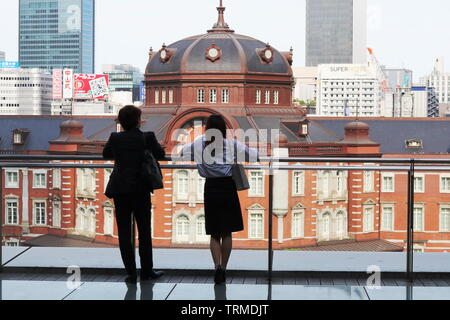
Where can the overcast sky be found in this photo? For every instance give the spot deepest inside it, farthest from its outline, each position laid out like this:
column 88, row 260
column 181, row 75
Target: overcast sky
column 403, row 33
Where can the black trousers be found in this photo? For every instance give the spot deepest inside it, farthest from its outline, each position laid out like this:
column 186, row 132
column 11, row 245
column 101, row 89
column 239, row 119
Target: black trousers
column 138, row 204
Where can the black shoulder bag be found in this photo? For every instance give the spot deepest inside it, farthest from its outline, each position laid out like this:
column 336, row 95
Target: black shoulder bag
column 151, row 171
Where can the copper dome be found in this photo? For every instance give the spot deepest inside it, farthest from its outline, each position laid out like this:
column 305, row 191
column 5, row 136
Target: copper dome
column 234, row 53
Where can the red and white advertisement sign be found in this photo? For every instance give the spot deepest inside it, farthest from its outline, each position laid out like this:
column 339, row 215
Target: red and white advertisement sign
column 57, row 84
column 90, row 86
column 67, row 84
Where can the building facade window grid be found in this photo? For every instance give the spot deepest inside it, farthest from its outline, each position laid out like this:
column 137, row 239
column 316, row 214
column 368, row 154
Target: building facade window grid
column 445, row 183
column 298, row 183
column 12, row 212
column 419, row 183
column 56, row 217
column 213, row 96
column 225, row 96
column 201, row 95
column 182, row 227
column 368, row 219
column 108, row 221
column 12, row 179
column 256, row 225
column 256, row 184
column 419, row 218
column 388, row 182
column 258, row 96
column 445, row 218
column 163, row 96
column 56, row 173
column 298, row 224
column 369, row 181
column 267, row 97
column 40, row 215
column 387, row 218
column 156, row 96
column 276, row 97
column 39, row 180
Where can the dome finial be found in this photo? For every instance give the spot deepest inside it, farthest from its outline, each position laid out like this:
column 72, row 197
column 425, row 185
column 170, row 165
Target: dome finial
column 221, row 25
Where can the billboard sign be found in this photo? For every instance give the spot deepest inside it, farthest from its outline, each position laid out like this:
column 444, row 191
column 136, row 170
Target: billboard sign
column 57, row 84
column 90, row 86
column 142, row 92
column 68, row 84
column 9, row 64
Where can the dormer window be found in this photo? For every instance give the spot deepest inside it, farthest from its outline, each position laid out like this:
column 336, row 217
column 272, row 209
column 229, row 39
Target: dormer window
column 414, row 144
column 20, row 136
column 303, row 129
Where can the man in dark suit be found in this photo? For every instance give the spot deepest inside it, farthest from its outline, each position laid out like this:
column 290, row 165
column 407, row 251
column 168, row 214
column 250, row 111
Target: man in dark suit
column 130, row 192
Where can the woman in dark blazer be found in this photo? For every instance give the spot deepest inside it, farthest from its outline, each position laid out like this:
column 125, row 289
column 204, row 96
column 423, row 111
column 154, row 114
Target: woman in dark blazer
column 130, row 192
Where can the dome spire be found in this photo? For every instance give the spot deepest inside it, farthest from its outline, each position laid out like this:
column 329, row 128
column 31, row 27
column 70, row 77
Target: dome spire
column 221, row 25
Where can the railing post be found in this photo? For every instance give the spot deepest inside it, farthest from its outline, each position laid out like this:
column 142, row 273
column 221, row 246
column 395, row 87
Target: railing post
column 270, row 247
column 1, row 219
column 410, row 224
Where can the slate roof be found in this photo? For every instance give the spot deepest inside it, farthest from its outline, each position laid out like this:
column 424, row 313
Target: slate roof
column 393, row 133
column 44, row 129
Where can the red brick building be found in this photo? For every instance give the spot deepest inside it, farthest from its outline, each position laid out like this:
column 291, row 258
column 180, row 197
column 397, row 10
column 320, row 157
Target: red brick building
column 250, row 83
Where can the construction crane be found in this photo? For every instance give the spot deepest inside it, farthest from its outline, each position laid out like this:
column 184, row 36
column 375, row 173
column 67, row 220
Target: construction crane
column 380, row 72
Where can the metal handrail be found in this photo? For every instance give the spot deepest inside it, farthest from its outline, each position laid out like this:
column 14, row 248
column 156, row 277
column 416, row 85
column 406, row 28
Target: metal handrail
column 22, row 157
column 271, row 164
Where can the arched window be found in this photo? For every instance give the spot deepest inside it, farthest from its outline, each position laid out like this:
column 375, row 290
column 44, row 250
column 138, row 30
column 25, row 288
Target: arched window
column 182, row 228
column 91, row 227
column 108, row 227
column 182, row 185
column 80, row 219
column 325, row 226
column 200, row 227
column 368, row 223
column 57, row 213
column 326, row 184
column 200, row 187
column 340, row 225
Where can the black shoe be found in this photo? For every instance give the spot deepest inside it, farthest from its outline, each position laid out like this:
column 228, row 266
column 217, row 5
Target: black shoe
column 219, row 276
column 131, row 279
column 153, row 275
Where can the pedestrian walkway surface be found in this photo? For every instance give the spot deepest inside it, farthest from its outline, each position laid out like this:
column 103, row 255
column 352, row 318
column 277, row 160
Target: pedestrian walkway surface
column 250, row 260
column 62, row 290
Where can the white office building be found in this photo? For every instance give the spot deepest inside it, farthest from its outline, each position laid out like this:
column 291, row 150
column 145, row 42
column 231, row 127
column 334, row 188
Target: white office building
column 349, row 90
column 25, row 92
column 415, row 101
column 440, row 81
column 2, row 56
column 83, row 108
column 305, row 83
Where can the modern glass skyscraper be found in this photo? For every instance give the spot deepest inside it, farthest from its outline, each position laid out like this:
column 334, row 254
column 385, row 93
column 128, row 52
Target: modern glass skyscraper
column 336, row 31
column 57, row 34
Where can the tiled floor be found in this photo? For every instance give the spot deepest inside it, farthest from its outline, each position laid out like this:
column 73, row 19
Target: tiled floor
column 53, row 284
column 62, row 290
column 233, row 277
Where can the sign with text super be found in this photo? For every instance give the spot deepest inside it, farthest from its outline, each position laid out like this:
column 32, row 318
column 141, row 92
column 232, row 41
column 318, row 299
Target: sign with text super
column 90, row 86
